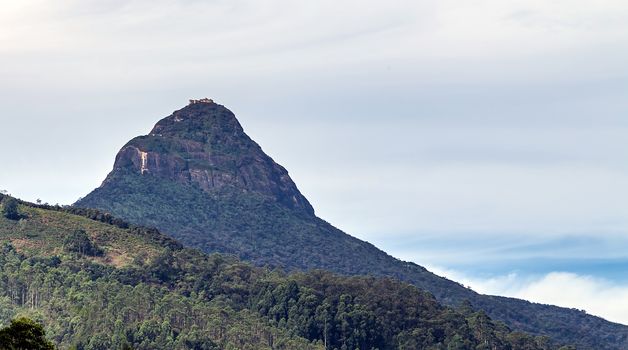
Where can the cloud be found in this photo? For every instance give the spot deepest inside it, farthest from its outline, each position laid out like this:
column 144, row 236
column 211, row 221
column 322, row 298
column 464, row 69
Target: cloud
column 142, row 41
column 427, row 179
column 595, row 295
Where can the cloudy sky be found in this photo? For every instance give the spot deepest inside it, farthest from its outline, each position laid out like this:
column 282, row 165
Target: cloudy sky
column 485, row 139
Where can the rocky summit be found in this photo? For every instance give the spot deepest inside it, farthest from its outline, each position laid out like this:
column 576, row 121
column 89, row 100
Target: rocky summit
column 199, row 178
column 204, row 145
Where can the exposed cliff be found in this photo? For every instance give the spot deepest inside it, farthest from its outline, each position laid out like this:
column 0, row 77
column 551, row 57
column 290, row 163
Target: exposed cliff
column 204, row 145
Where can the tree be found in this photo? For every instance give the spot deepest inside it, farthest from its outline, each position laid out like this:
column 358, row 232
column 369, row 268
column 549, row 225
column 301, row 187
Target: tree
column 9, row 209
column 24, row 333
column 79, row 242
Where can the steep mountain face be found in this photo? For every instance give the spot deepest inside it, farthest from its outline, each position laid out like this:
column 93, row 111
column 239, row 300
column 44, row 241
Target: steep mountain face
column 204, row 145
column 199, row 178
column 136, row 288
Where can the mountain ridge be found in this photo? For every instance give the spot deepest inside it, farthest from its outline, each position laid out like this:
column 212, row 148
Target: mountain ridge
column 270, row 227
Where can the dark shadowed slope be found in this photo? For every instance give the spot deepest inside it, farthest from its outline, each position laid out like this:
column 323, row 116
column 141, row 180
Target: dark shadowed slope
column 198, row 177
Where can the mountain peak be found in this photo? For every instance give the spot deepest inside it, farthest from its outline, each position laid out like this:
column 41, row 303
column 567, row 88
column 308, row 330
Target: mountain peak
column 199, row 117
column 204, row 145
column 200, row 178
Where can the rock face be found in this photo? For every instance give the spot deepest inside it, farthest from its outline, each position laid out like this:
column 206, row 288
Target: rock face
column 204, row 144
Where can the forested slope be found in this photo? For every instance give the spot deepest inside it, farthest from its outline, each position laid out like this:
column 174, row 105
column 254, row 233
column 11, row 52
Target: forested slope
column 96, row 282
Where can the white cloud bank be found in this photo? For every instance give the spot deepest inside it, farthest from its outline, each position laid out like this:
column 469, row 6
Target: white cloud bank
column 596, row 296
column 145, row 42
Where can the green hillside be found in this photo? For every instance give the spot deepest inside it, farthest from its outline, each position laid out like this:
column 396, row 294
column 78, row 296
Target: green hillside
column 96, row 282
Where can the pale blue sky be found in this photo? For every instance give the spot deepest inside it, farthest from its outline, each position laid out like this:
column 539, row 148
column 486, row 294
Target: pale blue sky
column 485, row 139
